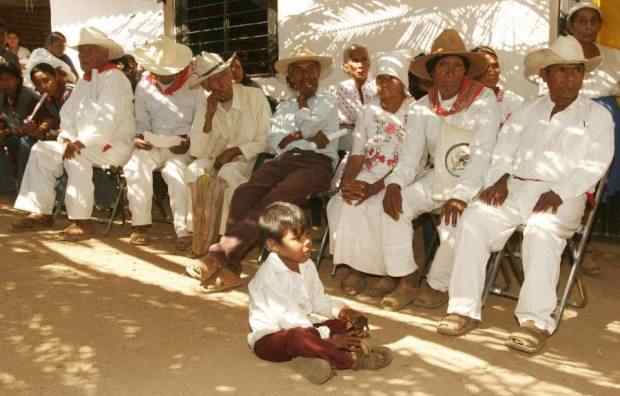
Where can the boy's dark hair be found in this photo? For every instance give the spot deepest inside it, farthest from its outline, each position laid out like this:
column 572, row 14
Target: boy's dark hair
column 280, row 217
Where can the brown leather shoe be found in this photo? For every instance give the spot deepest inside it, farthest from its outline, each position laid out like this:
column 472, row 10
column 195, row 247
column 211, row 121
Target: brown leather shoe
column 78, row 231
column 33, row 222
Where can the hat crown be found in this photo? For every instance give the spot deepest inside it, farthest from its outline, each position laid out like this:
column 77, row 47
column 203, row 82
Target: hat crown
column 448, row 41
column 395, row 65
column 568, row 48
column 207, row 61
column 164, row 56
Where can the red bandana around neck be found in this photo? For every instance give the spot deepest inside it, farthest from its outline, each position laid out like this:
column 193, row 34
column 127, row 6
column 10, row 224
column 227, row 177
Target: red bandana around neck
column 108, row 66
column 177, row 84
column 470, row 91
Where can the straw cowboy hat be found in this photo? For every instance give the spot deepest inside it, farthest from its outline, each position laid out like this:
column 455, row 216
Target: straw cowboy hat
column 94, row 36
column 164, row 56
column 566, row 50
column 301, row 55
column 449, row 42
column 581, row 6
column 207, row 64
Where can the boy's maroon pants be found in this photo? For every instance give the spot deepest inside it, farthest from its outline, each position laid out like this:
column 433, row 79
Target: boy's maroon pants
column 286, row 345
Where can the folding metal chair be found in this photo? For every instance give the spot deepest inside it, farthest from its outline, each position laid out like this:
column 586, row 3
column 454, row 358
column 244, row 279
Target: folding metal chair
column 508, row 261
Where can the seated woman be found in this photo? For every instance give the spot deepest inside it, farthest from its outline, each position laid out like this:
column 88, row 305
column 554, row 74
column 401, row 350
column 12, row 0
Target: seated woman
column 16, row 104
column 361, row 233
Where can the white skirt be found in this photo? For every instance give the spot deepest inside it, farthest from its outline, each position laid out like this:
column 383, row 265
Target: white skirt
column 368, row 240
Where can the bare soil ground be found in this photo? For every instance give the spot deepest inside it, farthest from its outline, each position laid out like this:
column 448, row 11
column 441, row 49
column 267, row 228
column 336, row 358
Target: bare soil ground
column 103, row 317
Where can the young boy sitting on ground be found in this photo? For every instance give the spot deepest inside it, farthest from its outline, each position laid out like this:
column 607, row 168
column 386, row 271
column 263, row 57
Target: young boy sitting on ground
column 285, row 294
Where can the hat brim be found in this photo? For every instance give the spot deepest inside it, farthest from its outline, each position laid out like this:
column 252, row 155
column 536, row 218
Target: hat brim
column 197, row 80
column 281, row 66
column 115, row 50
column 477, row 64
column 182, row 59
column 537, row 60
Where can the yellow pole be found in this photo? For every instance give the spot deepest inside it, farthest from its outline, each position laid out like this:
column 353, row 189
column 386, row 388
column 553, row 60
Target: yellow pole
column 610, row 33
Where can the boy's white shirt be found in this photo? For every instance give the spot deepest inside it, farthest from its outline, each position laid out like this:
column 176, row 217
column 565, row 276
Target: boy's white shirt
column 282, row 299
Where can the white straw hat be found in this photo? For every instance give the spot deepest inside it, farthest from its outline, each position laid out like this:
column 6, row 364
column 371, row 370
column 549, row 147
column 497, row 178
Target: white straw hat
column 566, row 50
column 207, row 64
column 93, row 36
column 164, row 56
column 302, row 55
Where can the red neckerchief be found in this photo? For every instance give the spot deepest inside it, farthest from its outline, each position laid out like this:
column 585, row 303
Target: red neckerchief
column 108, row 66
column 177, row 84
column 468, row 93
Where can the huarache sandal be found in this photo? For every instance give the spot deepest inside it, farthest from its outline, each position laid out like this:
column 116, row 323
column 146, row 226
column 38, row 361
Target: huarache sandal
column 427, row 297
column 77, row 232
column 398, row 299
column 317, row 371
column 529, row 338
column 354, row 283
column 377, row 358
column 33, row 222
column 456, row 325
column 382, row 286
column 223, row 280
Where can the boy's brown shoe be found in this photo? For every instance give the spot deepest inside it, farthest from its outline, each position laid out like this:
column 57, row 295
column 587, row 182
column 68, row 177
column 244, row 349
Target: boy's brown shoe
column 317, row 371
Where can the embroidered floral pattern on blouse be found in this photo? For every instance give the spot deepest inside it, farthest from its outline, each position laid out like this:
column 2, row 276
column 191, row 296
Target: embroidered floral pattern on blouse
column 382, row 148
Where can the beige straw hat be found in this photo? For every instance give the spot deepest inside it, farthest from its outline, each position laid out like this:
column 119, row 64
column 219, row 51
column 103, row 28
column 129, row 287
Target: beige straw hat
column 301, row 55
column 93, row 36
column 566, row 50
column 164, row 56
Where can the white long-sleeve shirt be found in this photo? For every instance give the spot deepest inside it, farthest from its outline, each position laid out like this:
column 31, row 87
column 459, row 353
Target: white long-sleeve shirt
column 320, row 115
column 100, row 112
column 570, row 151
column 245, row 126
column 282, row 299
column 423, row 133
column 169, row 115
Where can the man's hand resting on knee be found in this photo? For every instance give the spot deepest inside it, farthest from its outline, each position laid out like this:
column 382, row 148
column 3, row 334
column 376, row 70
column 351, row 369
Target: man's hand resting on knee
column 393, row 201
column 497, row 193
column 548, row 200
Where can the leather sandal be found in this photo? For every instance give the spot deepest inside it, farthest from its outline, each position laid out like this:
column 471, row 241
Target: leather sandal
column 529, row 338
column 354, row 283
column 456, row 325
column 377, row 358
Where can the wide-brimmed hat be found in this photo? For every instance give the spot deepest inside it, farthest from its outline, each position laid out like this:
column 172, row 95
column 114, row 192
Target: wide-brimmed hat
column 93, row 36
column 566, row 50
column 580, row 6
column 164, row 56
column 302, row 55
column 207, row 64
column 395, row 64
column 449, row 42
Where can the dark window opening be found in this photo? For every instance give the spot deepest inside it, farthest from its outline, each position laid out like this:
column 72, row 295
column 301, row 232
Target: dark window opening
column 247, row 27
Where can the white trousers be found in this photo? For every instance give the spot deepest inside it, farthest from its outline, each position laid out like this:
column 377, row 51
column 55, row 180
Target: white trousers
column 418, row 198
column 484, row 229
column 139, row 175
column 45, row 165
column 233, row 173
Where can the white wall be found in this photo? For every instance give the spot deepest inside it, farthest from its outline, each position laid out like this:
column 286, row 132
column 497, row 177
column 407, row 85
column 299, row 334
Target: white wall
column 129, row 22
column 512, row 27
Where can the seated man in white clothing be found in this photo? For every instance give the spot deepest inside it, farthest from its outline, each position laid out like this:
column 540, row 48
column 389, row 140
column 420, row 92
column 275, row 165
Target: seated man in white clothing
column 165, row 107
column 97, row 126
column 549, row 155
column 228, row 133
column 457, row 112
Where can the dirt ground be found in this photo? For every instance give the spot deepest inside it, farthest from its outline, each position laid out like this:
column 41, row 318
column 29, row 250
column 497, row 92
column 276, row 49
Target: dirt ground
column 103, row 317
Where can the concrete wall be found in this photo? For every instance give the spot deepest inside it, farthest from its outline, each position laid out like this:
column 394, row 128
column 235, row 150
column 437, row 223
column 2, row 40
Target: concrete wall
column 512, row 27
column 129, row 22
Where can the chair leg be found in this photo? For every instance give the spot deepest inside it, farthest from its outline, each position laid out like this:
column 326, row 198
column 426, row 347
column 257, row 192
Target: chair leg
column 320, row 253
column 118, row 203
column 493, row 266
